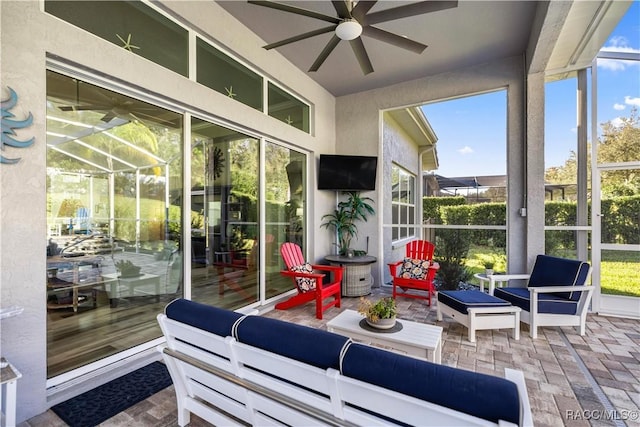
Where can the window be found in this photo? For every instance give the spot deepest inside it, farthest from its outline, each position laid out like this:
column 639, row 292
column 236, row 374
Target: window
column 144, row 31
column 403, row 203
column 227, row 76
column 132, row 25
column 287, row 108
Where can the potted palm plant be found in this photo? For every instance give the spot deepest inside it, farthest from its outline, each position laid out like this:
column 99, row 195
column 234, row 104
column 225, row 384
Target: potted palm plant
column 343, row 220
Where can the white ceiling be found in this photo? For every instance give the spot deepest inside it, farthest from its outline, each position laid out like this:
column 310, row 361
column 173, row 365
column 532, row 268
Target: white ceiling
column 473, row 32
column 566, row 36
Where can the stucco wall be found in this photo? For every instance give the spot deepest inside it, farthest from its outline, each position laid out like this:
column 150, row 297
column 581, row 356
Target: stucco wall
column 28, row 36
column 22, row 206
column 358, row 118
column 397, row 147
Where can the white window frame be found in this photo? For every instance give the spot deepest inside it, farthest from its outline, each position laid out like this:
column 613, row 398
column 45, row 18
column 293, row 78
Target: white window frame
column 406, row 222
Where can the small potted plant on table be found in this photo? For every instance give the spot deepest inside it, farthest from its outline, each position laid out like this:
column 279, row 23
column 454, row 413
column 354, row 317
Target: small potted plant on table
column 488, row 267
column 128, row 269
column 381, row 314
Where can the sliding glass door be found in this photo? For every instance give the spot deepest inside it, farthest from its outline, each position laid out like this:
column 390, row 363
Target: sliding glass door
column 114, row 173
column 224, row 216
column 116, row 228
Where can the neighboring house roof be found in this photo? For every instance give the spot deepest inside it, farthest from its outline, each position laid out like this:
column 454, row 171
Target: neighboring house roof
column 415, row 124
column 471, row 181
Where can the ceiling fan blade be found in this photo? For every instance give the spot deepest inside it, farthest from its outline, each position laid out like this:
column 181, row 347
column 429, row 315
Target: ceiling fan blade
column 361, row 55
column 394, row 39
column 361, row 9
column 407, row 11
column 296, row 10
column 341, row 8
column 83, row 107
column 325, row 53
column 300, row 37
column 108, row 117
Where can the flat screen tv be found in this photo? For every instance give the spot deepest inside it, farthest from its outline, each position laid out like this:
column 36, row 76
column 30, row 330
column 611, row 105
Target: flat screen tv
column 347, row 173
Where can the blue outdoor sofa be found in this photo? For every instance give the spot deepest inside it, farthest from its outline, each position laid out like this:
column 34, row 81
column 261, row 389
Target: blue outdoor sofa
column 230, row 369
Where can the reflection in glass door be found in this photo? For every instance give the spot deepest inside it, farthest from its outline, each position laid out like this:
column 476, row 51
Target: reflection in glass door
column 114, row 173
column 285, row 203
column 231, row 252
column 224, row 216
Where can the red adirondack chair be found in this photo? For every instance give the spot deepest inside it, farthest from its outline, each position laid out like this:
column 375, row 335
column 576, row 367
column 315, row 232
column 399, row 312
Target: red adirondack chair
column 309, row 281
column 416, row 271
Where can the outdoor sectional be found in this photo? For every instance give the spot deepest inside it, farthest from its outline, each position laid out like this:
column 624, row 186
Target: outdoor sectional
column 230, row 369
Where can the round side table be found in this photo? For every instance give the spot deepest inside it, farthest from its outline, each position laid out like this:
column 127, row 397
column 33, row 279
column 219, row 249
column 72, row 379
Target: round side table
column 357, row 279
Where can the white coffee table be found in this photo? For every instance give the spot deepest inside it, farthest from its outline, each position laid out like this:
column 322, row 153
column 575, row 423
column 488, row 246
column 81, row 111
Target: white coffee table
column 414, row 339
column 121, row 287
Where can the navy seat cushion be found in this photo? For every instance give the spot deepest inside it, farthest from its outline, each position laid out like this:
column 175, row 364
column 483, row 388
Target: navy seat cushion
column 211, row 319
column 461, row 300
column 308, row 345
column 547, row 303
column 554, row 271
column 483, row 396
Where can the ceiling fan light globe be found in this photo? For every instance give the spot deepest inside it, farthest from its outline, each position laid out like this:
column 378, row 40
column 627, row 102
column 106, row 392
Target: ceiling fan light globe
column 348, row 29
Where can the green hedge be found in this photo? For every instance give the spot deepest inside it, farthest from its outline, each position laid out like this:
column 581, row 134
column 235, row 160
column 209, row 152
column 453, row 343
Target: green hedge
column 431, row 207
column 619, row 219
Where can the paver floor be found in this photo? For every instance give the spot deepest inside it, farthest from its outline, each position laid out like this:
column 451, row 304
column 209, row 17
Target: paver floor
column 571, row 380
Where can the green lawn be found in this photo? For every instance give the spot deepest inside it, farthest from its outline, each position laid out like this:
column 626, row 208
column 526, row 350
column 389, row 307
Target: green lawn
column 620, row 270
column 620, row 273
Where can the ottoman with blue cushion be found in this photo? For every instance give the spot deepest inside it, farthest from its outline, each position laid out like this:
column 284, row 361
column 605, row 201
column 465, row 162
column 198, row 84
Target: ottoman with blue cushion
column 477, row 310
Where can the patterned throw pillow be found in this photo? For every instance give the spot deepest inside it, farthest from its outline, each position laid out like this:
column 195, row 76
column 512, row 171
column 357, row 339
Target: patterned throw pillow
column 414, row 269
column 305, row 284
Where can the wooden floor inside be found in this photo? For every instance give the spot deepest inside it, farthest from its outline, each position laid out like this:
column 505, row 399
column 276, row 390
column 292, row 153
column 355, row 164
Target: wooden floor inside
column 104, row 326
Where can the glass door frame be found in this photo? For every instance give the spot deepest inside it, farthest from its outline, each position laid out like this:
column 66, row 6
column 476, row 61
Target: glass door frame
column 624, row 306
column 604, row 303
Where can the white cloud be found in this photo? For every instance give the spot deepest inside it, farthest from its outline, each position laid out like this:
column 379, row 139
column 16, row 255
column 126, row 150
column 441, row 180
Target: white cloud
column 619, row 107
column 618, row 41
column 617, row 122
column 632, row 101
column 611, row 64
column 465, row 150
column 617, row 44
column 573, row 130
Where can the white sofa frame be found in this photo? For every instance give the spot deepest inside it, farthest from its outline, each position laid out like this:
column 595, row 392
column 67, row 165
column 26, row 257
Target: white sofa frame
column 228, row 383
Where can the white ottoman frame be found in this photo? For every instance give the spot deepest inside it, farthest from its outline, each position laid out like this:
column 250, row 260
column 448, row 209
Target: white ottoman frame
column 480, row 318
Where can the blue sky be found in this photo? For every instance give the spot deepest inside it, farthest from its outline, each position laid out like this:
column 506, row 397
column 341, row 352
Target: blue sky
column 472, row 131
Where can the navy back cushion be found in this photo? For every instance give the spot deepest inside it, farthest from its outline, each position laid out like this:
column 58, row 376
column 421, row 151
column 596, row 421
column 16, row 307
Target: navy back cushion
column 554, row 271
column 305, row 344
column 211, row 319
column 483, row 396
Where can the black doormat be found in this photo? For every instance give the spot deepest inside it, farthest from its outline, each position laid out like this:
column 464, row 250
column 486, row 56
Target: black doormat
column 101, row 403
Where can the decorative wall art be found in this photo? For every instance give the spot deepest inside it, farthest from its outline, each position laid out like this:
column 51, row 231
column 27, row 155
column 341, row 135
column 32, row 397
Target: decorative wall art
column 127, row 43
column 230, row 92
column 9, row 126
